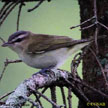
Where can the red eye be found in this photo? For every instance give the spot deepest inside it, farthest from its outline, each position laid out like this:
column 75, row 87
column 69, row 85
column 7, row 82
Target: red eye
column 18, row 40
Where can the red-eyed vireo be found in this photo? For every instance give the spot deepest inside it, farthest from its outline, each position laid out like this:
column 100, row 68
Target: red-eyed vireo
column 43, row 51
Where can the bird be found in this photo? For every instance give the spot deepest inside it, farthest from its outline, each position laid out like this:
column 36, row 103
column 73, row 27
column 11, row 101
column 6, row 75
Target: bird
column 43, row 51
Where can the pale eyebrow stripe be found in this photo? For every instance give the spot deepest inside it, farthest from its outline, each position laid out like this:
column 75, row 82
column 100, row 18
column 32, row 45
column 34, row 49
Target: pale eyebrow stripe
column 19, row 37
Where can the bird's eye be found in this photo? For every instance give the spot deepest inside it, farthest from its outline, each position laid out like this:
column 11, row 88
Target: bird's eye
column 18, row 40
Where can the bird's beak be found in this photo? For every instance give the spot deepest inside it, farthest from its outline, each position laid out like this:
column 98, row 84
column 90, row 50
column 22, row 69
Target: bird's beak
column 6, row 44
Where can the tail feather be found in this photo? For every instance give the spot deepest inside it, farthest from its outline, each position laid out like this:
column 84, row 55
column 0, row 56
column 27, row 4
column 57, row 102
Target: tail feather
column 78, row 47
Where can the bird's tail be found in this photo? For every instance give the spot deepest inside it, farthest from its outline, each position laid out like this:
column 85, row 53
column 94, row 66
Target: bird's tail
column 83, row 43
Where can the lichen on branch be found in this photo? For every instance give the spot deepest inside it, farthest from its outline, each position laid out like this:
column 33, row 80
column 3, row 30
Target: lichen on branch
column 38, row 80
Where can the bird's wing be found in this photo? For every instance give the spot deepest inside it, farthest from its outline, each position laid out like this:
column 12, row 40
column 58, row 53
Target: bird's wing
column 45, row 43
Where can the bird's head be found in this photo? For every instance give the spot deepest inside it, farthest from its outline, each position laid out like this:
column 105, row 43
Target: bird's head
column 17, row 41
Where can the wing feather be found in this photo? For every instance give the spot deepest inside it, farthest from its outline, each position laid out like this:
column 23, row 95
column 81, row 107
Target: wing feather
column 45, row 43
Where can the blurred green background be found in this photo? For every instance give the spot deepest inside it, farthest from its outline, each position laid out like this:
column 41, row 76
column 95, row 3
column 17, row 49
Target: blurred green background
column 55, row 17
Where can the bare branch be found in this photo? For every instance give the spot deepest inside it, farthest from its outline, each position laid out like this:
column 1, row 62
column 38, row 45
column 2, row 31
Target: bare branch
column 3, row 7
column 53, row 103
column 69, row 98
column 19, row 14
column 103, row 74
column 83, row 22
column 40, row 2
column 43, row 91
column 3, row 41
column 38, row 97
column 91, row 88
column 74, row 64
column 38, row 100
column 53, row 95
column 6, row 63
column 63, row 97
column 2, row 73
column 87, row 27
column 96, row 37
column 77, row 92
column 34, row 83
column 8, row 6
column 103, row 26
column 95, row 10
column 9, row 11
column 12, row 61
column 76, row 61
column 96, row 22
column 7, row 94
column 31, row 101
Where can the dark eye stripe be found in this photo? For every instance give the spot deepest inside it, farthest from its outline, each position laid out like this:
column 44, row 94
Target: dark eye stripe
column 18, row 40
column 16, row 34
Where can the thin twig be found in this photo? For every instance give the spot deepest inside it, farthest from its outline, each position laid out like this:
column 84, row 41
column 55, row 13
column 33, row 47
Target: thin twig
column 7, row 94
column 9, row 11
column 3, row 7
column 12, row 61
column 95, row 10
column 74, row 64
column 96, row 23
column 50, row 101
column 80, row 94
column 87, row 27
column 76, row 61
column 77, row 92
column 103, row 74
column 69, row 98
column 2, row 73
column 3, row 41
column 91, row 88
column 103, row 25
column 5, row 10
column 43, row 91
column 95, row 13
column 6, row 63
column 37, row 5
column 53, row 95
column 38, row 100
column 31, row 101
column 63, row 97
column 96, row 44
column 19, row 14
column 82, row 23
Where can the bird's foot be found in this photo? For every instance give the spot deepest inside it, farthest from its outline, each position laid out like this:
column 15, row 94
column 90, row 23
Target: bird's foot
column 42, row 72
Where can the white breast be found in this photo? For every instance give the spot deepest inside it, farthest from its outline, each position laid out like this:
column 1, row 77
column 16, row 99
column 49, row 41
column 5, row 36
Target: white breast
column 46, row 60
